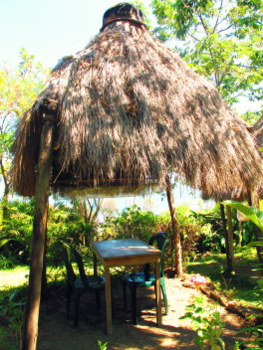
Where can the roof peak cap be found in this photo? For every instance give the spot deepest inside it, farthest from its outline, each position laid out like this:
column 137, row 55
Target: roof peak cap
column 123, row 11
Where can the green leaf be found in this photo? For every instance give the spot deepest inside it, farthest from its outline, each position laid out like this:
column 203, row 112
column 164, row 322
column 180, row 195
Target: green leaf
column 4, row 241
column 253, row 214
column 221, row 40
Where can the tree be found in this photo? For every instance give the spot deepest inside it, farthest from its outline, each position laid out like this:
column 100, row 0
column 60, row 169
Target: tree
column 88, row 210
column 19, row 88
column 221, row 39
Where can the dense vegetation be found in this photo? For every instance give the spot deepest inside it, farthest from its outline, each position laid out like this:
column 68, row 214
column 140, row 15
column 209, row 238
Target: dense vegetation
column 201, row 232
column 221, row 40
column 202, row 237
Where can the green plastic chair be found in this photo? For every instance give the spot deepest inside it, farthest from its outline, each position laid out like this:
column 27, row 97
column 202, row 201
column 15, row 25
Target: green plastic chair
column 77, row 286
column 146, row 279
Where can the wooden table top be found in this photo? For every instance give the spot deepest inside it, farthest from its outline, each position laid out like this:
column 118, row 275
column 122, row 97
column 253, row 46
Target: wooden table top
column 126, row 251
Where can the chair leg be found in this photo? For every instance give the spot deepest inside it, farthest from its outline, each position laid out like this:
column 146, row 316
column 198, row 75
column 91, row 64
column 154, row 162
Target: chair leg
column 69, row 293
column 77, row 294
column 97, row 292
column 134, row 305
column 124, row 292
column 164, row 296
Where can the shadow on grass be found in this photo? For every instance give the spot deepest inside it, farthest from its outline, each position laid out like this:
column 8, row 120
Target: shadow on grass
column 242, row 284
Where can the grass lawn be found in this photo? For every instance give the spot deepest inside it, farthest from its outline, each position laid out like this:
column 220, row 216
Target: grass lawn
column 13, row 278
column 243, row 285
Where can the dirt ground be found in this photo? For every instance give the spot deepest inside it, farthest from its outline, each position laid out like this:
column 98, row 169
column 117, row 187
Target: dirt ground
column 57, row 333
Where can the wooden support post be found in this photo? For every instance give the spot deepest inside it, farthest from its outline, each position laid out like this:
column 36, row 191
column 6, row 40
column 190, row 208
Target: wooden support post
column 176, row 235
column 223, row 218
column 230, row 262
column 38, row 239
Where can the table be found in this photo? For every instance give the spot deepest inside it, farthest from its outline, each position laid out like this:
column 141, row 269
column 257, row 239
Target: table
column 126, row 252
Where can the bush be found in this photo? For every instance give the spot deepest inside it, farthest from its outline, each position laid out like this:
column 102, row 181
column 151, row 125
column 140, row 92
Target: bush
column 132, row 223
column 16, row 233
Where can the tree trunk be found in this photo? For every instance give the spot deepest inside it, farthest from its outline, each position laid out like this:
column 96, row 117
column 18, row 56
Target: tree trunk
column 230, row 262
column 176, row 234
column 38, row 240
column 44, row 288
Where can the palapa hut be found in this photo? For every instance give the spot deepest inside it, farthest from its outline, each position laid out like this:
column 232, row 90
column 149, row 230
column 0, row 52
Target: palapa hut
column 126, row 107
column 127, row 110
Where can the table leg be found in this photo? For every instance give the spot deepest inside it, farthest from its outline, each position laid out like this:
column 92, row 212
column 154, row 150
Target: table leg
column 108, row 300
column 158, row 295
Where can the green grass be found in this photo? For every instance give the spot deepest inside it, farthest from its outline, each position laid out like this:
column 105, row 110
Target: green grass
column 242, row 285
column 13, row 291
column 12, row 278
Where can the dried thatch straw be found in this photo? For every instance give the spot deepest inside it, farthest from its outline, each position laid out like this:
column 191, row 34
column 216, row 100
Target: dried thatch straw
column 257, row 130
column 128, row 108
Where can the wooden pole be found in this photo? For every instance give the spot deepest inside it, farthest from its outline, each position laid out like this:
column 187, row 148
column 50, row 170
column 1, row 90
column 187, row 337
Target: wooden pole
column 223, row 218
column 38, row 239
column 176, row 234
column 230, row 263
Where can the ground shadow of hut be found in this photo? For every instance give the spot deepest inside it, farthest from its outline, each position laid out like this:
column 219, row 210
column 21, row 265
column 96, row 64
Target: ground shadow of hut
column 126, row 111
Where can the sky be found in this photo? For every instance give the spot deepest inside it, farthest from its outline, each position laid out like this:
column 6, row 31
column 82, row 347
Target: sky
column 49, row 29
column 52, row 29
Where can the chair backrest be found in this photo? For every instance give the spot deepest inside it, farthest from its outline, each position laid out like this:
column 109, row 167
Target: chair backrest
column 81, row 268
column 69, row 252
column 160, row 239
column 71, row 277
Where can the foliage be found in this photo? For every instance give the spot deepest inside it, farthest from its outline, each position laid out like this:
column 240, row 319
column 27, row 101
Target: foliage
column 241, row 286
column 193, row 230
column 254, row 214
column 132, row 223
column 214, row 239
column 11, row 311
column 136, row 223
column 144, row 10
column 75, row 222
column 256, row 342
column 201, row 233
column 207, row 324
column 20, row 86
column 221, row 39
column 65, row 222
column 18, row 89
column 16, row 233
column 102, row 346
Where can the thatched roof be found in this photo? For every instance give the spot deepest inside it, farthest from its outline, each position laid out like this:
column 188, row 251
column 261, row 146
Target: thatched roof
column 128, row 108
column 257, row 130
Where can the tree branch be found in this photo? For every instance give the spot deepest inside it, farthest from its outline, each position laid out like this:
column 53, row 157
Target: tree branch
column 223, row 30
column 4, row 173
column 216, row 76
column 217, row 19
